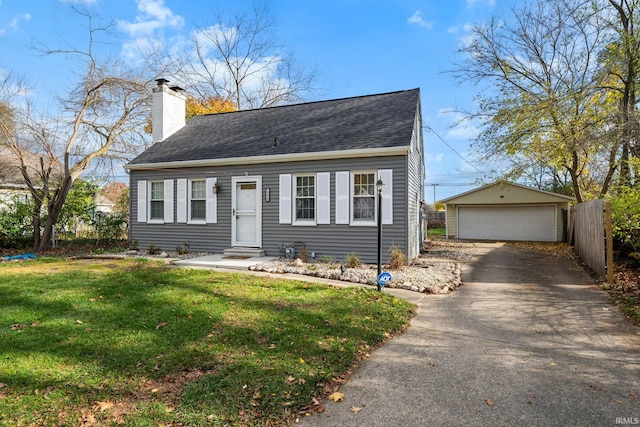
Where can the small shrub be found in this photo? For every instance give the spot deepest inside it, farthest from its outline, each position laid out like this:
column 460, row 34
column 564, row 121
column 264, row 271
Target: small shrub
column 134, row 246
column 184, row 249
column 304, row 255
column 153, row 249
column 327, row 259
column 99, row 251
column 352, row 260
column 397, row 258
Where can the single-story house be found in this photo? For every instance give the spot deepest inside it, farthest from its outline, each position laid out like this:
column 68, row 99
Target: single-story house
column 508, row 211
column 299, row 175
column 13, row 186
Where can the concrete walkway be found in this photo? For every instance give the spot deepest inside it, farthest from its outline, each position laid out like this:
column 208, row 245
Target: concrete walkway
column 527, row 340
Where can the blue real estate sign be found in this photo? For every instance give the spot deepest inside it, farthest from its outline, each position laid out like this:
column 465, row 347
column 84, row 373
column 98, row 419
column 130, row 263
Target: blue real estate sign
column 384, row 278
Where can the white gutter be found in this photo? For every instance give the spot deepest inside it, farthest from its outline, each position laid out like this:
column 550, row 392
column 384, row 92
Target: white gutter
column 278, row 158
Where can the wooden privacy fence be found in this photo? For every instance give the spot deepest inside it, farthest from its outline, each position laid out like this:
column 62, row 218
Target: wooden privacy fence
column 591, row 234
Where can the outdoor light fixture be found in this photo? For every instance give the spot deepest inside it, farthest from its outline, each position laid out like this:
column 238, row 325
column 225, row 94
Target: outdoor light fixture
column 216, row 188
column 379, row 185
column 267, row 195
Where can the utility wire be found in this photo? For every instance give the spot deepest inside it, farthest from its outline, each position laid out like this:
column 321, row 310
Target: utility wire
column 430, row 129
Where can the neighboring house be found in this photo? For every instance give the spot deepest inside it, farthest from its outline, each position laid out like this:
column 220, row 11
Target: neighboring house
column 296, row 174
column 507, row 211
column 12, row 184
column 103, row 204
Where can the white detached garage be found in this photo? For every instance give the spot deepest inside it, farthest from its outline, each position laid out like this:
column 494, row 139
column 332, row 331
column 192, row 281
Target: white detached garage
column 507, row 211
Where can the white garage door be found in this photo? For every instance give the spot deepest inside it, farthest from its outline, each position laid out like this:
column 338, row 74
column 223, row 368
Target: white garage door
column 531, row 223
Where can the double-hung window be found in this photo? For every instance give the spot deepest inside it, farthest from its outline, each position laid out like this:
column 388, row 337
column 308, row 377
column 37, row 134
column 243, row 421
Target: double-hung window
column 364, row 197
column 156, row 201
column 197, row 200
column 305, row 194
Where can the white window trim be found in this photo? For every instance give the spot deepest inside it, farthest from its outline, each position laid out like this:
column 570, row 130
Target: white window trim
column 361, row 223
column 304, row 222
column 150, row 199
column 202, row 221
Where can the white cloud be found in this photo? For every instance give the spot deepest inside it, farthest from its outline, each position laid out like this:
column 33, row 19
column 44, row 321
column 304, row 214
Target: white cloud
column 16, row 20
column 87, row 2
column 153, row 15
column 460, row 126
column 416, row 19
column 433, row 158
column 146, row 30
column 467, row 37
column 488, row 3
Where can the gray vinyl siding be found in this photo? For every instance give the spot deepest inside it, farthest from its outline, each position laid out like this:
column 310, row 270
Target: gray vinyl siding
column 330, row 240
column 415, row 191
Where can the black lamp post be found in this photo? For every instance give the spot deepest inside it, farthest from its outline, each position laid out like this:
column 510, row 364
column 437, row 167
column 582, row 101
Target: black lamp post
column 379, row 185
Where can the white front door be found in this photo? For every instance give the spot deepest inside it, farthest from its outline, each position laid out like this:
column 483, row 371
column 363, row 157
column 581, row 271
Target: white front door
column 246, row 221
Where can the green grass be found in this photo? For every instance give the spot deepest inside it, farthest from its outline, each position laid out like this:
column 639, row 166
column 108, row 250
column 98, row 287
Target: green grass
column 436, row 232
column 137, row 343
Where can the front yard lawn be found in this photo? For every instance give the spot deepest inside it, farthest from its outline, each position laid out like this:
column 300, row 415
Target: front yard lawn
column 88, row 342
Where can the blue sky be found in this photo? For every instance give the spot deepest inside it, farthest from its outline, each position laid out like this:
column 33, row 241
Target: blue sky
column 358, row 47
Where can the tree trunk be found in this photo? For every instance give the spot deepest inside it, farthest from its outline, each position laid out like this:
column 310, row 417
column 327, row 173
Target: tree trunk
column 53, row 211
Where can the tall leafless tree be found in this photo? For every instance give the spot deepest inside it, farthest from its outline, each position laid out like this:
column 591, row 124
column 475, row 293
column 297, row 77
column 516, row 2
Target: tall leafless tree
column 239, row 59
column 103, row 114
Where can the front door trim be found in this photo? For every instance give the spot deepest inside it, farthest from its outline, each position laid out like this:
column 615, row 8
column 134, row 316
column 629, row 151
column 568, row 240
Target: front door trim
column 235, row 181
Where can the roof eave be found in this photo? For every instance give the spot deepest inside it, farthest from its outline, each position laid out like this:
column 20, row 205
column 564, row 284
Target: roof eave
column 278, row 158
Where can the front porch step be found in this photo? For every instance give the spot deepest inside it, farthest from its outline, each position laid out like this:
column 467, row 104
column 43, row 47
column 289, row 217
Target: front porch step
column 244, row 252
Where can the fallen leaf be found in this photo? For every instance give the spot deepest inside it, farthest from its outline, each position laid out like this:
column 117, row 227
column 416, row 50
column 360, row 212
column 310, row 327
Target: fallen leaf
column 553, row 364
column 596, row 387
column 632, row 394
column 489, row 402
column 336, row 397
column 79, row 322
column 161, row 325
column 355, row 409
column 103, row 406
column 302, row 360
column 272, row 346
column 36, row 323
column 320, row 409
column 290, row 379
column 18, row 327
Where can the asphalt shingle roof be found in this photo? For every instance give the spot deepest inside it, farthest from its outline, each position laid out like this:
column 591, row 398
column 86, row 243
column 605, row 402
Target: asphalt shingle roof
column 364, row 122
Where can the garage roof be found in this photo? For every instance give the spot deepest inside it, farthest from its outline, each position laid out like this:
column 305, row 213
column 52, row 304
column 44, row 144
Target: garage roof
column 503, row 192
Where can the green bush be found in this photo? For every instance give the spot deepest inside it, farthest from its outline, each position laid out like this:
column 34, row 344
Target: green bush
column 16, row 228
column 110, row 226
column 625, row 212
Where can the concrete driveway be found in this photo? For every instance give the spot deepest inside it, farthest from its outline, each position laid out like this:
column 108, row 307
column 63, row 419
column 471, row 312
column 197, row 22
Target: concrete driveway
column 527, row 340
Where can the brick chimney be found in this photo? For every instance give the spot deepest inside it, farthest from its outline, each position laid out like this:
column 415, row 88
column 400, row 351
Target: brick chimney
column 169, row 108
